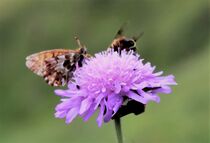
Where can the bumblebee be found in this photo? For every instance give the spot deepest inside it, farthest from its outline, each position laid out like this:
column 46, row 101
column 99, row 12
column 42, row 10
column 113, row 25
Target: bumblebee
column 122, row 42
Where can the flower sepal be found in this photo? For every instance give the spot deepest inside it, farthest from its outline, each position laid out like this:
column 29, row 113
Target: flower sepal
column 132, row 106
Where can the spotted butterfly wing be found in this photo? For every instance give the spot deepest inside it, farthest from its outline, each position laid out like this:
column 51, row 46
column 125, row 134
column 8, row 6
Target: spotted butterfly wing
column 56, row 66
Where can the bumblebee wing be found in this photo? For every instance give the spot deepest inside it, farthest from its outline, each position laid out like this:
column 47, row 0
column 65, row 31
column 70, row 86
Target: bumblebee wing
column 121, row 30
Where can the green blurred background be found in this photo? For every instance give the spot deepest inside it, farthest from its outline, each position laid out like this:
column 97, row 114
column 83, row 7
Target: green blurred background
column 176, row 40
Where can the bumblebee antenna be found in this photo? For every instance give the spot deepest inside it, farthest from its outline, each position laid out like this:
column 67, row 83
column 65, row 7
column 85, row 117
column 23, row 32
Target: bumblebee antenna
column 135, row 38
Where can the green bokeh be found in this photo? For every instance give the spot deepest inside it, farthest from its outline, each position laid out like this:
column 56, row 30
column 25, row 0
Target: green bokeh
column 176, row 40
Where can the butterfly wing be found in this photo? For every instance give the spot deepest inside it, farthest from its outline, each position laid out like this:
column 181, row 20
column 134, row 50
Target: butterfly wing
column 55, row 66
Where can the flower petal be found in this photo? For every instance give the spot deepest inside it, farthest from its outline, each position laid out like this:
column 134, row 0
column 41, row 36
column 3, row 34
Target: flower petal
column 136, row 97
column 117, row 106
column 117, row 88
column 60, row 114
column 85, row 105
column 60, row 92
column 163, row 89
column 98, row 100
column 71, row 115
column 69, row 103
column 108, row 115
column 100, row 115
column 149, row 96
column 89, row 113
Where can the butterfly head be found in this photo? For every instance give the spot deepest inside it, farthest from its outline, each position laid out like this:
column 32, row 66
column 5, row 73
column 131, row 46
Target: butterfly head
column 83, row 50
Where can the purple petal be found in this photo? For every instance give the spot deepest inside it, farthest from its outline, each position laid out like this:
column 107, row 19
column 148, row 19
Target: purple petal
column 158, row 73
column 72, row 86
column 65, row 93
column 71, row 115
column 100, row 115
column 85, row 105
column 60, row 114
column 108, row 115
column 89, row 113
column 125, row 88
column 163, row 89
column 149, row 96
column 140, row 85
column 114, row 102
column 98, row 100
column 170, row 80
column 103, row 89
column 69, row 103
column 60, row 92
column 117, row 106
column 167, row 80
column 136, row 97
column 117, row 88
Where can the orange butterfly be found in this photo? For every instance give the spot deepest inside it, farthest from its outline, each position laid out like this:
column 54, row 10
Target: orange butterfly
column 57, row 65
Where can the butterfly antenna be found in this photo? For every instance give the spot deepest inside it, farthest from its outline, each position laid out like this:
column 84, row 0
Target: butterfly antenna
column 82, row 48
column 135, row 38
column 78, row 42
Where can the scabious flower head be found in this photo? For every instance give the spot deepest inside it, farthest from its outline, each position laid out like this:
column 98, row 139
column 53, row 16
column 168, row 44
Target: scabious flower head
column 106, row 81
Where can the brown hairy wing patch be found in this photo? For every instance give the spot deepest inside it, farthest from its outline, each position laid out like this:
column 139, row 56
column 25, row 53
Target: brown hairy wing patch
column 36, row 62
column 59, row 70
column 55, row 66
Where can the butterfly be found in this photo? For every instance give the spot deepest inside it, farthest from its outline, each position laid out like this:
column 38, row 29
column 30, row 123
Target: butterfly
column 58, row 65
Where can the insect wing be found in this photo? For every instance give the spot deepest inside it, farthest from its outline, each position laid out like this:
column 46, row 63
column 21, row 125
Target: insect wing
column 50, row 65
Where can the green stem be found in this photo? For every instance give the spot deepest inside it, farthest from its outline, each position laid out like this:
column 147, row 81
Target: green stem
column 118, row 130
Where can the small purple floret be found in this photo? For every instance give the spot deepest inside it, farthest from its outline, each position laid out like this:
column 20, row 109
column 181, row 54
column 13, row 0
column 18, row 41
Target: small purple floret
column 105, row 81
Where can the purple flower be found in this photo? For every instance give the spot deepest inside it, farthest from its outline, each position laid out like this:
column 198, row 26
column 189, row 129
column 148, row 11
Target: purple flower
column 106, row 82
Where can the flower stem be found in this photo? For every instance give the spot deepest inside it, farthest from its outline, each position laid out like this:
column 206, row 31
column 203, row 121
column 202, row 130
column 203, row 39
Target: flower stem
column 118, row 130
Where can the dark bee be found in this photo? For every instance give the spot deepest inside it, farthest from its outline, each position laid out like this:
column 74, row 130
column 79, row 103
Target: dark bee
column 122, row 42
